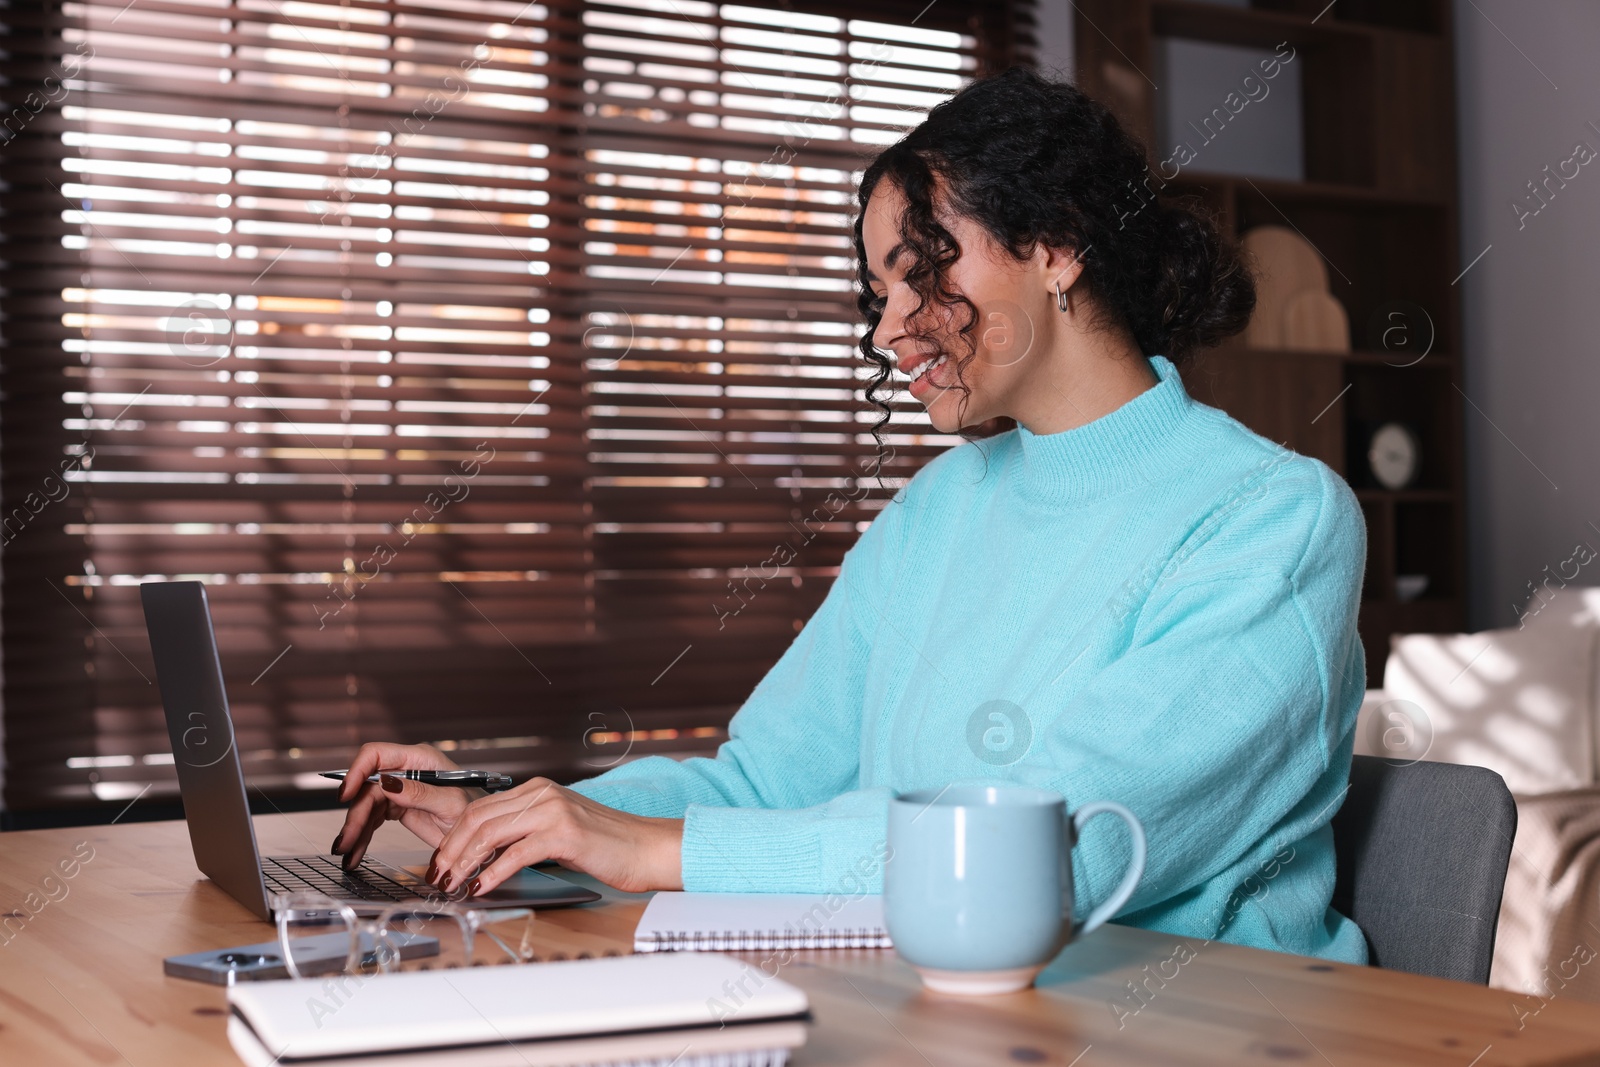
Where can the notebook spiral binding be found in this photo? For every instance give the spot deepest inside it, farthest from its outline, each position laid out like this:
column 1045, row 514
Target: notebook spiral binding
column 751, row 940
column 759, row 1058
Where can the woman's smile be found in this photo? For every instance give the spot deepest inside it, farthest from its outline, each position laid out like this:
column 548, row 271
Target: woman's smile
column 928, row 373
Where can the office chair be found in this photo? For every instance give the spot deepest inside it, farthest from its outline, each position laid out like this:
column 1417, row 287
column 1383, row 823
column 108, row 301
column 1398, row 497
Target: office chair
column 1422, row 851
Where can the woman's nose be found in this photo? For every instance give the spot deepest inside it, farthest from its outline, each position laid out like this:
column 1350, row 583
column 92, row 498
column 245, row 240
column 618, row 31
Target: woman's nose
column 890, row 326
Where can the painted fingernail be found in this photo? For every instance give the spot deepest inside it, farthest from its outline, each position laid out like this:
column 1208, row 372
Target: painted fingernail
column 474, row 887
column 444, row 882
column 391, row 784
column 334, row 851
column 433, row 867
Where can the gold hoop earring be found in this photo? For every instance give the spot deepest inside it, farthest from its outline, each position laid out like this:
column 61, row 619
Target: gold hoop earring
column 1061, row 299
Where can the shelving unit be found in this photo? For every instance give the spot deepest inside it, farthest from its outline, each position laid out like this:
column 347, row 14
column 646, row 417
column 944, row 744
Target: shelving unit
column 1379, row 203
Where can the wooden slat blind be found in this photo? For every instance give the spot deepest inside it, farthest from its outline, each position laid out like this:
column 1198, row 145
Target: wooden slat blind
column 480, row 355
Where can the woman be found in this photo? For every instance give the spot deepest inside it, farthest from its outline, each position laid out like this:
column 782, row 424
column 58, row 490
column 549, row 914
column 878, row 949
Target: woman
column 1110, row 590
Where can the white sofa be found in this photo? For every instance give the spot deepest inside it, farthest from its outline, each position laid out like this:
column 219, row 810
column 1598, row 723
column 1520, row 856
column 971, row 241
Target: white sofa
column 1524, row 702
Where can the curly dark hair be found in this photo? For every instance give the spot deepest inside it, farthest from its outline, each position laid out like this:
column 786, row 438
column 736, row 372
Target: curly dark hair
column 1032, row 160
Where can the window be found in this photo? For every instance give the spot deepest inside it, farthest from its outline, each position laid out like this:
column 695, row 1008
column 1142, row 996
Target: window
column 479, row 355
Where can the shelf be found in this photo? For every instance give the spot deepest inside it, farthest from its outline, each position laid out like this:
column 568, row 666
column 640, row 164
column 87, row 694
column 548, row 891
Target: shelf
column 1379, row 205
column 1407, row 496
column 1432, row 361
column 1421, row 402
column 1258, row 26
column 1338, row 194
column 1378, row 256
column 1247, row 26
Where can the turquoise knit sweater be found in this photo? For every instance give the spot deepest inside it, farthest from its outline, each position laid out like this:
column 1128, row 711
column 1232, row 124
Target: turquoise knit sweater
column 1157, row 608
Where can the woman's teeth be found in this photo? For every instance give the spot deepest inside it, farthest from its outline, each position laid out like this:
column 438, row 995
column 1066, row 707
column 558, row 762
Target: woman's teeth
column 926, row 365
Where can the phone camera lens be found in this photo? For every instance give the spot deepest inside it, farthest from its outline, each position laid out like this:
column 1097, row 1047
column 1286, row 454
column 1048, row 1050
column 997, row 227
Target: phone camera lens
column 246, row 959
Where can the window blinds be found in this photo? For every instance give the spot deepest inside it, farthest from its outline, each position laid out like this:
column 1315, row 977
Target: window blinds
column 492, row 362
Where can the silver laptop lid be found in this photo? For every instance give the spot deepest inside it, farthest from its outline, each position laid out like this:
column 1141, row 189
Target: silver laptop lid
column 189, row 672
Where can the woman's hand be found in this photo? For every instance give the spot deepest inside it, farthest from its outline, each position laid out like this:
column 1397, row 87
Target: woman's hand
column 376, row 802
column 498, row 835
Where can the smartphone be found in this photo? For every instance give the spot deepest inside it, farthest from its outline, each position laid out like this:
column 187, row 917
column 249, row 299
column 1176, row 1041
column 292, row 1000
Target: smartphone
column 324, row 954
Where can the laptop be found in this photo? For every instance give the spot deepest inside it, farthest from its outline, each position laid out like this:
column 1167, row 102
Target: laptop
column 211, row 781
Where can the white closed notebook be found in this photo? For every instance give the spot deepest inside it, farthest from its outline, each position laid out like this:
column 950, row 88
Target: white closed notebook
column 745, row 1045
column 631, row 1008
column 721, row 922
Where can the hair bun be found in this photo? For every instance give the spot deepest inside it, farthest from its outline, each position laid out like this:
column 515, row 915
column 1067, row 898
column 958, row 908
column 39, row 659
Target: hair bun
column 1204, row 293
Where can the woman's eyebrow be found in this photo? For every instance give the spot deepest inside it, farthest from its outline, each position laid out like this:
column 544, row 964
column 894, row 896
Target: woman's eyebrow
column 888, row 261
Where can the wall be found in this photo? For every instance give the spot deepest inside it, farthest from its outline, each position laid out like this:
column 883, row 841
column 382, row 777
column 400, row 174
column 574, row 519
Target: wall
column 1055, row 39
column 1527, row 90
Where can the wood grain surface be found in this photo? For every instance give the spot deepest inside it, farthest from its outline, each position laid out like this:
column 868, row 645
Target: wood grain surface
column 93, row 911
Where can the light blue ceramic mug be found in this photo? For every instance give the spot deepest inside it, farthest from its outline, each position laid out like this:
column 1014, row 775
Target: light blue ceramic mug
column 978, row 894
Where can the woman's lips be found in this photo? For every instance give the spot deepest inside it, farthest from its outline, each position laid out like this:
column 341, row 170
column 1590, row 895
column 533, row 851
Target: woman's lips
column 932, row 378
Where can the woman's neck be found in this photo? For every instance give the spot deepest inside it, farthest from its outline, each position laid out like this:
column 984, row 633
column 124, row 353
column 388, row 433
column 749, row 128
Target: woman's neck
column 1081, row 383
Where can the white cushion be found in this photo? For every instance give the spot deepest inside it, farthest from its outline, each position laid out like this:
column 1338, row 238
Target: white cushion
column 1520, row 701
column 1566, row 608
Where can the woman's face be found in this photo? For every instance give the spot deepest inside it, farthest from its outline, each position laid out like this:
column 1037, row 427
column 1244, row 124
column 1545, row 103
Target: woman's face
column 1011, row 298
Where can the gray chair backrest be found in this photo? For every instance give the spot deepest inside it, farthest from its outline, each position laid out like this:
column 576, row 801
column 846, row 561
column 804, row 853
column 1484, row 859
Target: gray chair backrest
column 1422, row 853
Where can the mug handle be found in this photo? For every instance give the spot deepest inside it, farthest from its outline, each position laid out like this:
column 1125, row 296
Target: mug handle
column 1135, row 871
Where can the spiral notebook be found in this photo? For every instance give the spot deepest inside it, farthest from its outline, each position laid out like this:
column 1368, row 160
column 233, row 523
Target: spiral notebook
column 721, row 922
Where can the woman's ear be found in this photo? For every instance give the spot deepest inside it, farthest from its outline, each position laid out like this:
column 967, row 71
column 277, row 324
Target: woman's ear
column 1062, row 266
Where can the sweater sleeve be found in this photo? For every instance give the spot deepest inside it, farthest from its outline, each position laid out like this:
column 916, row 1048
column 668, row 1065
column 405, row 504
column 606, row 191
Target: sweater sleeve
column 756, row 815
column 1219, row 724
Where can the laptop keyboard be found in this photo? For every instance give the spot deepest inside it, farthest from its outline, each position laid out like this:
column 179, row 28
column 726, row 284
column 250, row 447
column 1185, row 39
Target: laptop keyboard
column 286, row 874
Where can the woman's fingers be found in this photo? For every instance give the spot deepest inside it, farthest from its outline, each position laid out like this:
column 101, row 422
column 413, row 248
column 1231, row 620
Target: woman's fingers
column 439, row 801
column 354, row 830
column 539, row 820
column 458, row 855
column 488, row 824
column 524, row 831
column 510, row 860
column 413, row 803
column 381, row 755
column 376, row 815
column 629, row 852
column 427, row 826
column 369, row 758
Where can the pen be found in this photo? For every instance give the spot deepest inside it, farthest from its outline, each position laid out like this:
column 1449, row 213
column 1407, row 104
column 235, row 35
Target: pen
column 485, row 780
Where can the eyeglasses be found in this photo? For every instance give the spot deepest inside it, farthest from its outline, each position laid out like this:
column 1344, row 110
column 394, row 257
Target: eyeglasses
column 320, row 935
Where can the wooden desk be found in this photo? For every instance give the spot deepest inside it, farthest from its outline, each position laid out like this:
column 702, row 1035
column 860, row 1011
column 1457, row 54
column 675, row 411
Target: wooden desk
column 81, row 982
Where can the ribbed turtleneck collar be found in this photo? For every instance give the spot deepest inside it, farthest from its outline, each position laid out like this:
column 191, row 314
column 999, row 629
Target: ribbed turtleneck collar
column 1145, row 437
